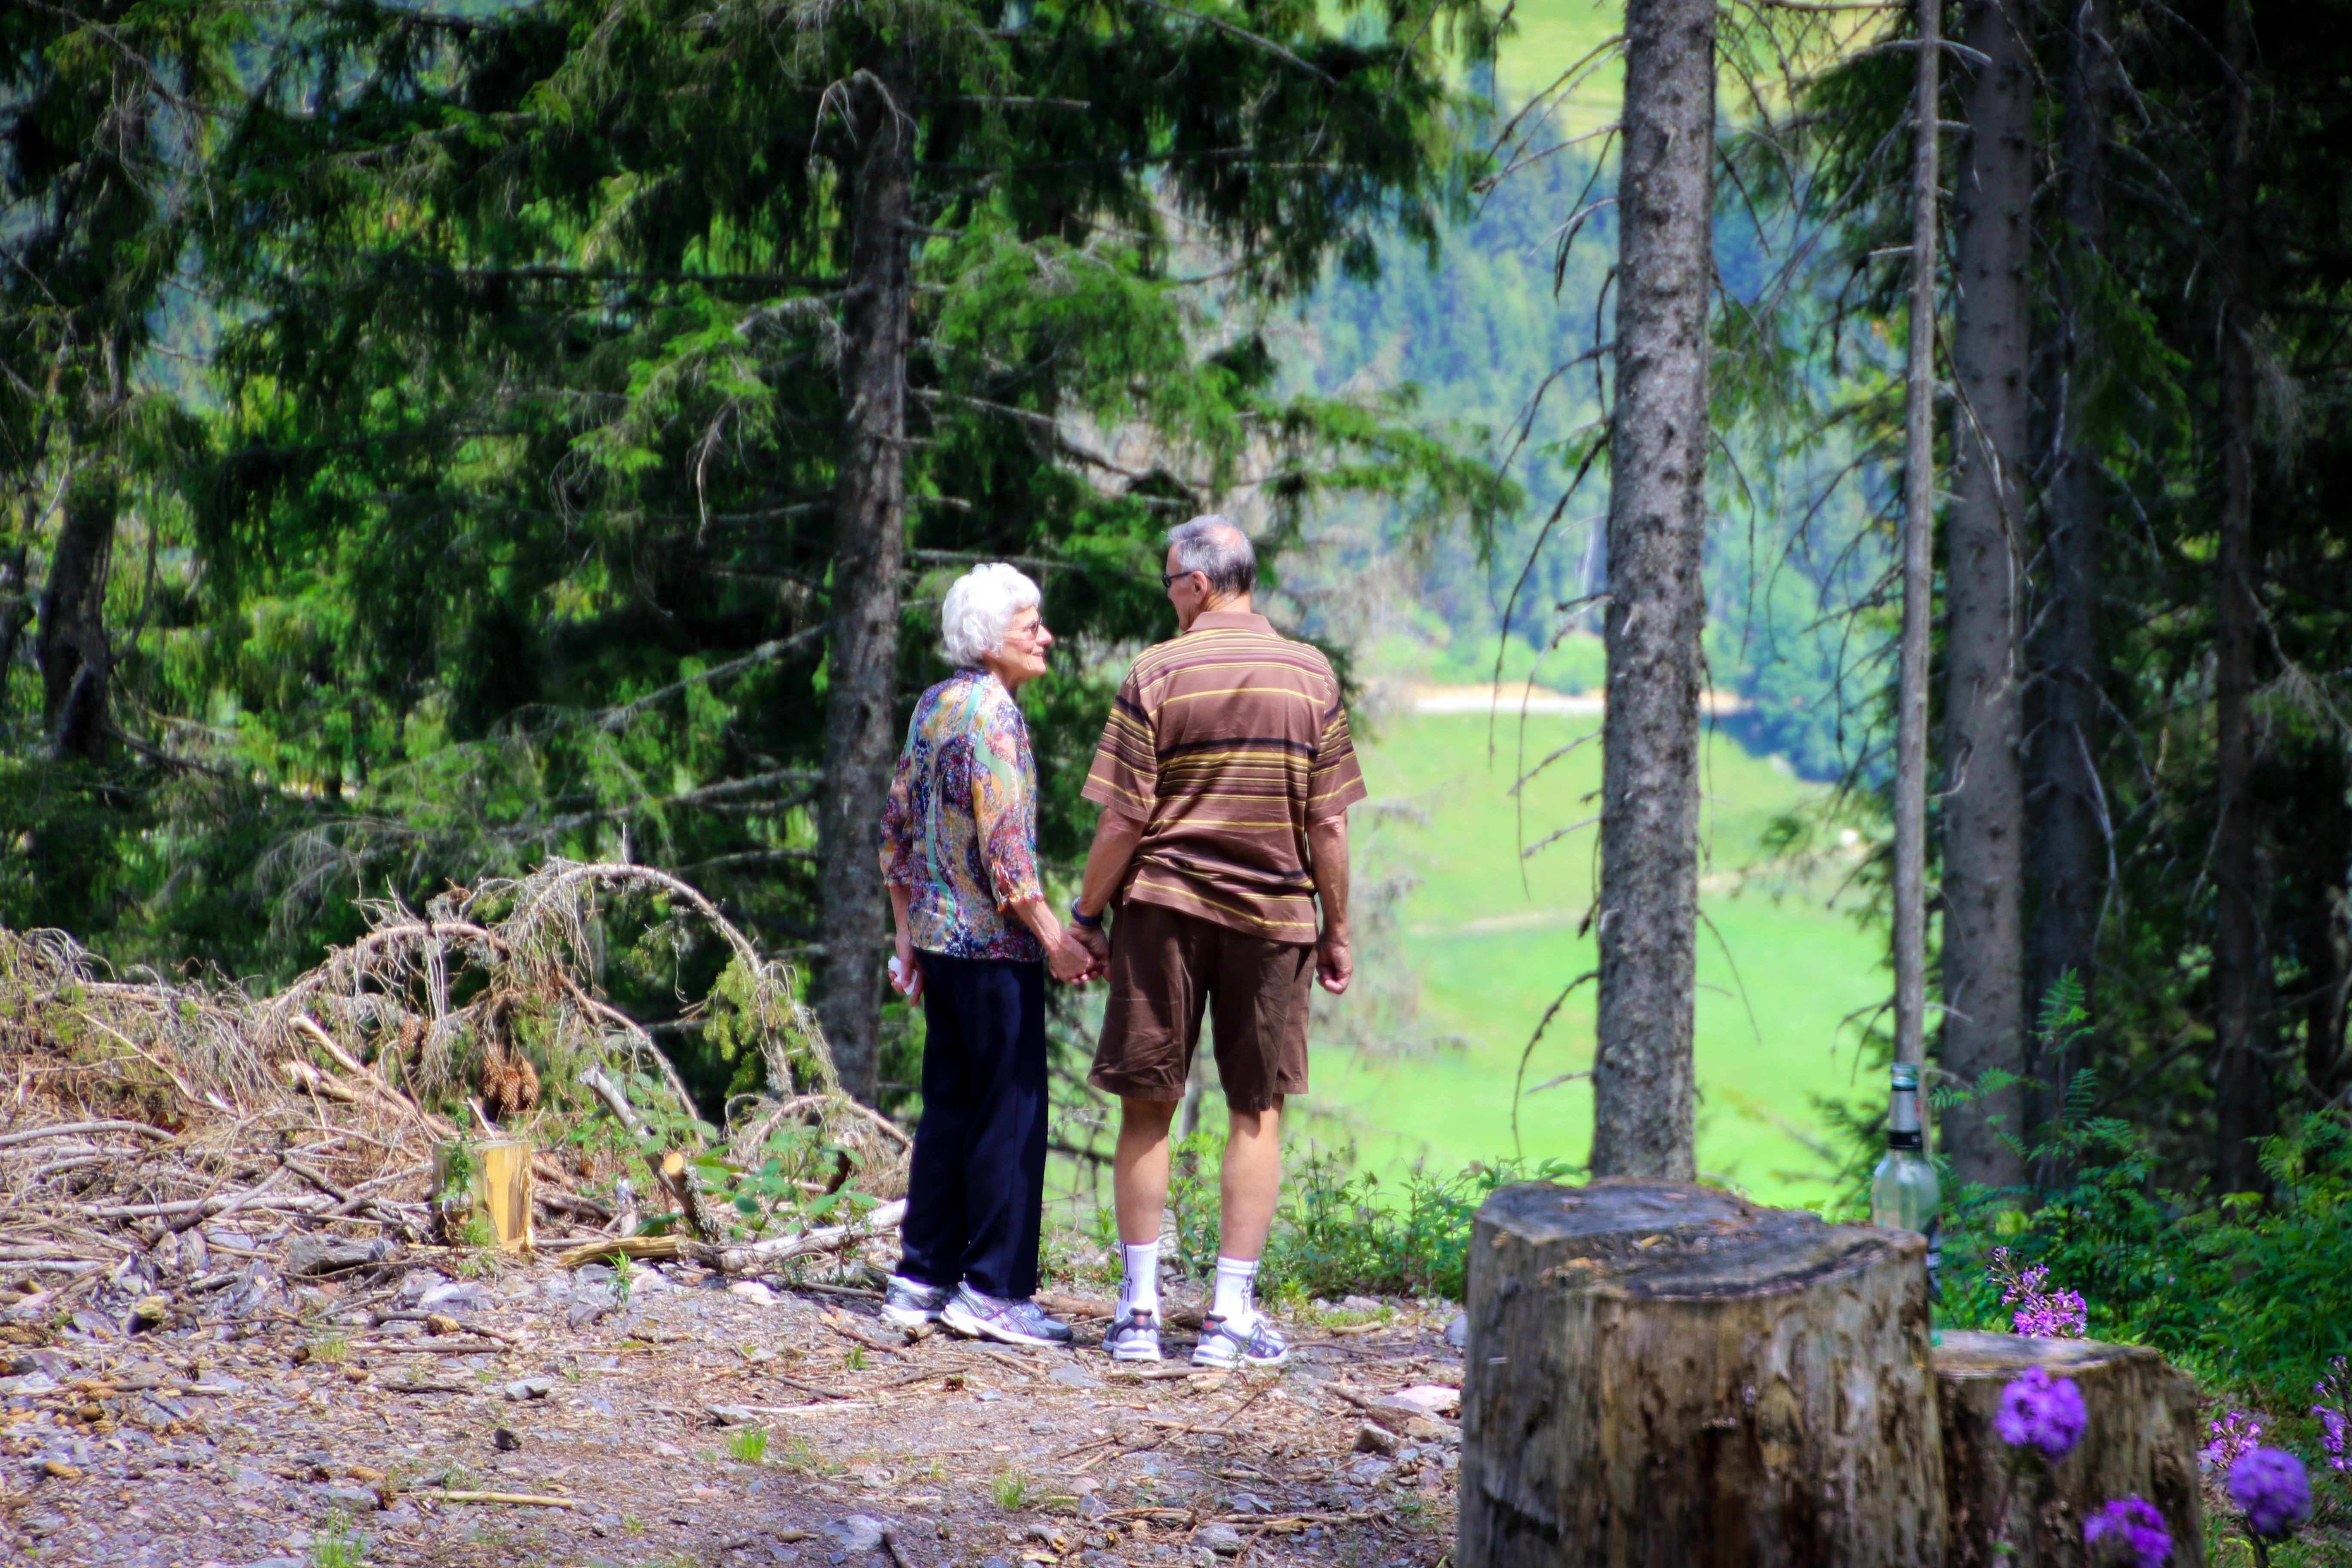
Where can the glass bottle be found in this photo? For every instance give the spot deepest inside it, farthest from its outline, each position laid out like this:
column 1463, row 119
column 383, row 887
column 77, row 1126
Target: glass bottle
column 1903, row 1192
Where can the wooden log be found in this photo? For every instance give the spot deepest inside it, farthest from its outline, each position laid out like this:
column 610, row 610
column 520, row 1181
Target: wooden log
column 1659, row 1375
column 2140, row 1440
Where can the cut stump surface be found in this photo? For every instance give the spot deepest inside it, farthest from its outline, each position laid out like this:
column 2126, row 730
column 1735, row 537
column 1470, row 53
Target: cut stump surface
column 1660, row 1373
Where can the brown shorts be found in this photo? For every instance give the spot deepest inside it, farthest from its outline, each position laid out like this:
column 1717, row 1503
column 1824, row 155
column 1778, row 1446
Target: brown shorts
column 1165, row 968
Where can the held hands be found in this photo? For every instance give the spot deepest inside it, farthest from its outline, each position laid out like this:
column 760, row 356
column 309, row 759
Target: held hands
column 1081, row 955
column 1334, row 964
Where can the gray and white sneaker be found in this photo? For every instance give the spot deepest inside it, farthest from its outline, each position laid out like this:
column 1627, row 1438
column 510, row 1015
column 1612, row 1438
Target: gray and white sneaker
column 1007, row 1322
column 1258, row 1344
column 911, row 1303
column 1134, row 1338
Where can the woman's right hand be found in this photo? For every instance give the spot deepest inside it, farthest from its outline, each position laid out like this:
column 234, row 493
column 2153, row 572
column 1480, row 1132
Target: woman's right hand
column 1068, row 959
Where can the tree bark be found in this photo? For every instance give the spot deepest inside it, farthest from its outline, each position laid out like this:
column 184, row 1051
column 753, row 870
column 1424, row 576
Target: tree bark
column 1657, row 530
column 2010, row 1511
column 2068, row 813
column 70, row 644
column 1984, row 818
column 1918, row 560
column 1661, row 1374
column 861, row 735
column 2241, row 1085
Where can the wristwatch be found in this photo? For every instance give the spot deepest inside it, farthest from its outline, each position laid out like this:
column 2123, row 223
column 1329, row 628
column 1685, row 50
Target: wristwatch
column 1092, row 922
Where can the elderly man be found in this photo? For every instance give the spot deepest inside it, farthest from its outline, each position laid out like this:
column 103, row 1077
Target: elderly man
column 1225, row 776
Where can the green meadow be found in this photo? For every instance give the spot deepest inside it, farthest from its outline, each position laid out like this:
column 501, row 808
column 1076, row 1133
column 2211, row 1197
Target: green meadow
column 1492, row 938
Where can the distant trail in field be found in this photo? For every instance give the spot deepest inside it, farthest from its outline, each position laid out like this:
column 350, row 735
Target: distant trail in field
column 1513, row 700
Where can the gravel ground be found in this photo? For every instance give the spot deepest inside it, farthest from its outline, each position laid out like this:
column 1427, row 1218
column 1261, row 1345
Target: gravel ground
column 692, row 1423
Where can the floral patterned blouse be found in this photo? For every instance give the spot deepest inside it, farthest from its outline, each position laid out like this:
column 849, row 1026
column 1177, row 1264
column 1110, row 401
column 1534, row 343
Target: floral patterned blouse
column 959, row 828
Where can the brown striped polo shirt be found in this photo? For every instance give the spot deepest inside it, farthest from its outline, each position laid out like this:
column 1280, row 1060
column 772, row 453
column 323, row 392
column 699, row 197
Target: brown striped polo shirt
column 1226, row 742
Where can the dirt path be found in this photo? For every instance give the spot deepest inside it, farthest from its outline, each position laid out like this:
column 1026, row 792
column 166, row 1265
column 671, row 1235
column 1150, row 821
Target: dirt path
column 692, row 1423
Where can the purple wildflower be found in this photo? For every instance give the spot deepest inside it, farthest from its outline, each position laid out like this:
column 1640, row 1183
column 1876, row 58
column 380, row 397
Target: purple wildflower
column 2268, row 1486
column 2334, row 1438
column 2040, row 1313
column 2129, row 1529
column 2336, row 1417
column 2041, row 1410
column 2234, row 1436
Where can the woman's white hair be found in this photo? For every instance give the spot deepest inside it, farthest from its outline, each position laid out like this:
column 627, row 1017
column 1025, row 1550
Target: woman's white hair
column 980, row 610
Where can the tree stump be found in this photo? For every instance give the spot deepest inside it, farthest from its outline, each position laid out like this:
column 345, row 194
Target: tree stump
column 2141, row 1441
column 1660, row 1375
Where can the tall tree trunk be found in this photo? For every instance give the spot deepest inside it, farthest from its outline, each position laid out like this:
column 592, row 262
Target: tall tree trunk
column 2069, row 842
column 1657, row 528
column 70, row 644
column 1984, row 818
column 861, row 735
column 2242, row 1088
column 1919, row 558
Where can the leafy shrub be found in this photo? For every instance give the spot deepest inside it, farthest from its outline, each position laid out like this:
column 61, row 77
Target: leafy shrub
column 1342, row 1231
column 2248, row 1290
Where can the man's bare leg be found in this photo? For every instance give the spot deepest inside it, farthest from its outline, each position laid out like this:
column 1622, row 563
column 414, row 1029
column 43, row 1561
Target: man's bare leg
column 1139, row 1184
column 1138, row 1168
column 1252, row 1182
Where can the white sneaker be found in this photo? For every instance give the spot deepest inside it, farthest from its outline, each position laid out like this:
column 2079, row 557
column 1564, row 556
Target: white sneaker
column 1135, row 1339
column 911, row 1303
column 1024, row 1323
column 1258, row 1343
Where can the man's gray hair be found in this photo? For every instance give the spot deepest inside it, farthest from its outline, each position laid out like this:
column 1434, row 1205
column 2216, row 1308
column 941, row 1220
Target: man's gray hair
column 1212, row 546
column 980, row 610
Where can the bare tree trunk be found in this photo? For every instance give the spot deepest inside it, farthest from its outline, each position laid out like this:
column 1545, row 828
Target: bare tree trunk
column 2242, row 1087
column 1657, row 528
column 1984, row 816
column 1918, row 559
column 861, row 735
column 70, row 644
column 2067, row 805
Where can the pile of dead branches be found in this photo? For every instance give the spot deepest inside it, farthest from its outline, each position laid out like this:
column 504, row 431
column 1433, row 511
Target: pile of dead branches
column 194, row 1138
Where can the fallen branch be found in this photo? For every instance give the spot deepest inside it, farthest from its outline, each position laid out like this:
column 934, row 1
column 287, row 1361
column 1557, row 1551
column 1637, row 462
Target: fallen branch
column 519, row 1499
column 76, row 1128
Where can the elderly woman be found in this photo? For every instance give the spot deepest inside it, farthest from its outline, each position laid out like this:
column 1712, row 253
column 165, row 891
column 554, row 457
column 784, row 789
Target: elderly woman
column 975, row 934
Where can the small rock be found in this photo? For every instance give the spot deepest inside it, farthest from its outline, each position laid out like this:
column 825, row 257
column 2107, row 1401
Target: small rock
column 1046, row 1536
column 54, row 1363
column 503, row 1440
column 1423, row 1399
column 1074, row 1377
column 1431, row 1430
column 1372, row 1439
column 591, row 1274
column 1458, row 1332
column 1249, row 1502
column 36, row 1382
column 1366, row 1471
column 734, row 1415
column 530, row 1388
column 1222, row 1538
column 751, row 1290
column 1362, row 1304
column 986, row 1395
column 414, row 1285
column 328, row 1254
column 855, row 1534
column 994, row 1562
column 358, row 1500
column 150, row 1312
column 587, row 1305
column 1091, row 1559
column 1091, row 1506
column 455, row 1296
column 59, row 1470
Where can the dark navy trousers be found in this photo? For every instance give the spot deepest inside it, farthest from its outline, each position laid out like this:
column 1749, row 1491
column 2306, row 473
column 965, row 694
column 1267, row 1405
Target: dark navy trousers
column 976, row 1193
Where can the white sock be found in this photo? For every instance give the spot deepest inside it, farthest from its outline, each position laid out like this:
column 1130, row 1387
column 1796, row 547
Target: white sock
column 1141, row 1286
column 1235, row 1301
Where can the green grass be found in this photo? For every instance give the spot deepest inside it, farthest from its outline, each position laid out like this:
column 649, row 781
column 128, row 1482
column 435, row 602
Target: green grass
column 749, row 1446
column 1493, row 954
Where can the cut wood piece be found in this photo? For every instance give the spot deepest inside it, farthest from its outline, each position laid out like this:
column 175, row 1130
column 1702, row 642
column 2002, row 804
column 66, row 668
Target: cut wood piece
column 2140, row 1440
column 1662, row 1374
column 494, row 1176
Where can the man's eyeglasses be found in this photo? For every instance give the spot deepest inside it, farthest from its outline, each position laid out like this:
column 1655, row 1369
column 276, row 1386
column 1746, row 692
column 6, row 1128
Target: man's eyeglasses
column 1169, row 579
